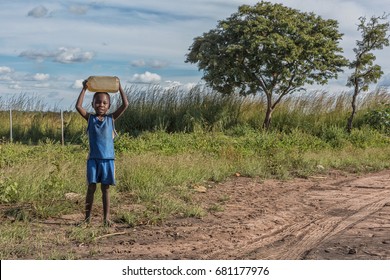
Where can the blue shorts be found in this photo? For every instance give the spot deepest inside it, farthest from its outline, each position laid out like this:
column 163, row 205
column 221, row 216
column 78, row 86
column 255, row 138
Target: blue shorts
column 101, row 171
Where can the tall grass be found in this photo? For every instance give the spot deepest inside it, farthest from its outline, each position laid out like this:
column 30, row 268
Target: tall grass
column 33, row 127
column 313, row 111
column 198, row 109
column 178, row 110
column 23, row 102
column 35, row 121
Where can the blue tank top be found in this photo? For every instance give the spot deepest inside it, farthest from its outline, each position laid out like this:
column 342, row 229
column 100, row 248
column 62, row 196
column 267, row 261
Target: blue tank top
column 101, row 137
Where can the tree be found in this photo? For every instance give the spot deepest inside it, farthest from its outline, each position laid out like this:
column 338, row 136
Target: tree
column 268, row 48
column 365, row 72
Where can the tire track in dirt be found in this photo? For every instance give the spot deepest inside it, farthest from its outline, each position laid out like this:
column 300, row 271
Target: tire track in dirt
column 325, row 228
column 323, row 217
column 356, row 201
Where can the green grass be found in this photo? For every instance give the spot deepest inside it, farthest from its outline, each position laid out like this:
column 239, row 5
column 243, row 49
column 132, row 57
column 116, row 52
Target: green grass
column 157, row 174
column 169, row 143
column 157, row 170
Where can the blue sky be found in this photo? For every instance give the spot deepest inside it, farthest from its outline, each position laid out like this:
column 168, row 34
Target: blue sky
column 47, row 48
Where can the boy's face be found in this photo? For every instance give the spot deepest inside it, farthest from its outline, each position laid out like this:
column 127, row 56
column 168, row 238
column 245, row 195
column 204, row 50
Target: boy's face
column 101, row 103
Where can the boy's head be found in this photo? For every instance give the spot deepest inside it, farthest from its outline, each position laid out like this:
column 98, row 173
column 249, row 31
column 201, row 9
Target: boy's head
column 101, row 102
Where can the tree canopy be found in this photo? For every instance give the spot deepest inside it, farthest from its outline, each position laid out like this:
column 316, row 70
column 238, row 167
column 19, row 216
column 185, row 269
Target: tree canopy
column 268, row 48
column 374, row 37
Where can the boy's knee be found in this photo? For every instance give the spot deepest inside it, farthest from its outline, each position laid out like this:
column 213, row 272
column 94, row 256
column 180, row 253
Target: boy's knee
column 92, row 187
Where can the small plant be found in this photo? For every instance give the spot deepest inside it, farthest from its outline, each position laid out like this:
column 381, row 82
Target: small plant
column 129, row 218
column 85, row 234
column 8, row 191
column 216, row 207
column 195, row 212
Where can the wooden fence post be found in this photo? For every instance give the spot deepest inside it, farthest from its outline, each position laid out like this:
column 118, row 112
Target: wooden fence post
column 10, row 126
column 62, row 128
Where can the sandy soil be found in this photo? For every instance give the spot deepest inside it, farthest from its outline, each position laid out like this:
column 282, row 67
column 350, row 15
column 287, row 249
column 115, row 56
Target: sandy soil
column 333, row 216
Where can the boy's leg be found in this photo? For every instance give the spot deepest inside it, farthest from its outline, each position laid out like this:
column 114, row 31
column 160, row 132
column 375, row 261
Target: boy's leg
column 106, row 204
column 89, row 201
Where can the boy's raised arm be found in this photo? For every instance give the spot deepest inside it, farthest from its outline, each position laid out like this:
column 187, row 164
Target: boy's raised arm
column 79, row 103
column 124, row 105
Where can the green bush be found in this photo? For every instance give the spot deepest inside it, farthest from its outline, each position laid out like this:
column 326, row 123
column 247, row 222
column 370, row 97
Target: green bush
column 379, row 119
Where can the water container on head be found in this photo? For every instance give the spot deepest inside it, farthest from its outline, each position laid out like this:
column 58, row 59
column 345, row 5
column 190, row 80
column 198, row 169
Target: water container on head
column 103, row 84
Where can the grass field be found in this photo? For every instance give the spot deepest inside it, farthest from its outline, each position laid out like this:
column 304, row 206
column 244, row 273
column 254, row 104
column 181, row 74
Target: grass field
column 169, row 144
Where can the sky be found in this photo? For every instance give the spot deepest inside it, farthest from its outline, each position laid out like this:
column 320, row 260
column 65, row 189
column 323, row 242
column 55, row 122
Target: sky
column 47, row 48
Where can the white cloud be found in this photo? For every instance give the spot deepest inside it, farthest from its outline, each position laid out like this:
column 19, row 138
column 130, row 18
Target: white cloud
column 5, row 70
column 78, row 9
column 189, row 86
column 186, row 86
column 384, row 81
column 65, row 55
column 38, row 12
column 42, row 85
column 6, row 74
column 172, row 84
column 78, row 84
column 14, row 86
column 155, row 63
column 5, row 78
column 62, row 55
column 177, row 84
column 41, row 77
column 138, row 63
column 146, row 78
column 39, row 56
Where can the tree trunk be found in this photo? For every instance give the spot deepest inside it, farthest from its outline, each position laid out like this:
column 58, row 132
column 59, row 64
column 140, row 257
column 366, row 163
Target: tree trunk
column 268, row 114
column 350, row 119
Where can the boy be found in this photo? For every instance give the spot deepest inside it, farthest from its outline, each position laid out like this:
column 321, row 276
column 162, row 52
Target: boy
column 101, row 132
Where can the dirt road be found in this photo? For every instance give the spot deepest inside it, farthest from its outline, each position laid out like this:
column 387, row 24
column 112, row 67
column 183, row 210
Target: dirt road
column 333, row 216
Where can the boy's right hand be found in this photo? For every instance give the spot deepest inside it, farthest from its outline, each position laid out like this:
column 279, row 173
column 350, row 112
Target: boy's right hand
column 85, row 86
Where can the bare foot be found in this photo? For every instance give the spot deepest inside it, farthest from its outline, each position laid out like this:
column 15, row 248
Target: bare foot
column 108, row 223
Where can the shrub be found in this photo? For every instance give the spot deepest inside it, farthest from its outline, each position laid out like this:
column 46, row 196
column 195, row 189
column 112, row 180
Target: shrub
column 379, row 119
